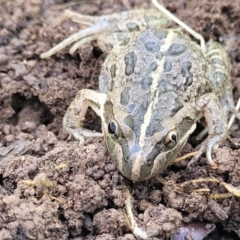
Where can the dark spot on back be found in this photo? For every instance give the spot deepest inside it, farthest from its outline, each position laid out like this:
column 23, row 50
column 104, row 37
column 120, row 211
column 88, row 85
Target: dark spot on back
column 185, row 72
column 167, row 66
column 176, row 49
column 152, row 47
column 113, row 69
column 161, row 34
column 159, row 55
column 125, row 96
column 132, row 26
column 145, row 105
column 146, row 82
column 129, row 121
column 130, row 63
column 164, row 86
column 153, row 66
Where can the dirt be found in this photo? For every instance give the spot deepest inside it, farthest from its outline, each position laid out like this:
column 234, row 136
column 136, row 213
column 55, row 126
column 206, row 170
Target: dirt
column 50, row 188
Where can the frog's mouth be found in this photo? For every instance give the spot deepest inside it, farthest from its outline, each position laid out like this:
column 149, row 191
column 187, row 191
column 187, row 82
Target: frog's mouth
column 139, row 164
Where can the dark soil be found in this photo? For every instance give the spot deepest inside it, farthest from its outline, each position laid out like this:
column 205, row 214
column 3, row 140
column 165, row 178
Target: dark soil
column 50, row 188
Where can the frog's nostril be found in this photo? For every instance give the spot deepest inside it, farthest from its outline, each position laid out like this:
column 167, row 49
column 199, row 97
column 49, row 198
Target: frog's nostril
column 149, row 162
column 135, row 149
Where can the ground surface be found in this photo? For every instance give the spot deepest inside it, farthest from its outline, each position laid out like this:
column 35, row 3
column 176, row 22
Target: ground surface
column 52, row 189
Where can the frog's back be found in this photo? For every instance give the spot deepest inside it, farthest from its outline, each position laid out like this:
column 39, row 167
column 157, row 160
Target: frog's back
column 159, row 67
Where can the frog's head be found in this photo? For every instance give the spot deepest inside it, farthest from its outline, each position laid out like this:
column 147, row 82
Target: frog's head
column 142, row 150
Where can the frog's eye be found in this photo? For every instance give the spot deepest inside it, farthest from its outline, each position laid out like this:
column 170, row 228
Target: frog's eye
column 113, row 128
column 171, row 139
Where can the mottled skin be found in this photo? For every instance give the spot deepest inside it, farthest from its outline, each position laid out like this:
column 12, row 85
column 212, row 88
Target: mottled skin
column 154, row 86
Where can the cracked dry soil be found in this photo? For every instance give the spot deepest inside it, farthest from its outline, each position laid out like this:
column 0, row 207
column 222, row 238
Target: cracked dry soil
column 52, row 189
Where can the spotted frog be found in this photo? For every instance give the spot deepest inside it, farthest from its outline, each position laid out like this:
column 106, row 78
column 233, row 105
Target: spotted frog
column 155, row 85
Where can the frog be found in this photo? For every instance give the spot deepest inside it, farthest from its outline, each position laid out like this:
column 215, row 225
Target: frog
column 155, row 85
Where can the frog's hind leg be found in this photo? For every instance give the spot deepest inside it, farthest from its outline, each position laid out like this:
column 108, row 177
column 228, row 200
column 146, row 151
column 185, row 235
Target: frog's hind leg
column 97, row 26
column 100, row 26
column 217, row 125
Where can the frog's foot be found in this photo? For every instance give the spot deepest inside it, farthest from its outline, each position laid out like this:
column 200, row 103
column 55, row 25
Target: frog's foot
column 75, row 115
column 206, row 147
column 81, row 134
column 217, row 124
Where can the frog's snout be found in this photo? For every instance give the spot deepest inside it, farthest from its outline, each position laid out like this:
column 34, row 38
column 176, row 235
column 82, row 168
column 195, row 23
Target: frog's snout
column 137, row 167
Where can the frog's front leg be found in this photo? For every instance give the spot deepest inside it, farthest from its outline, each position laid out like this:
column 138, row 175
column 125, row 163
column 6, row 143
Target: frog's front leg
column 217, row 124
column 75, row 115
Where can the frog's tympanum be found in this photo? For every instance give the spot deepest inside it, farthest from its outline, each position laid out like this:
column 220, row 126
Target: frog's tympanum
column 154, row 86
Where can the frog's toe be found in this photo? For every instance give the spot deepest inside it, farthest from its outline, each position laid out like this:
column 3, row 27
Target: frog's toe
column 210, row 144
column 196, row 157
column 81, row 18
column 76, row 133
column 81, row 139
column 82, row 42
column 206, row 147
column 81, row 134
